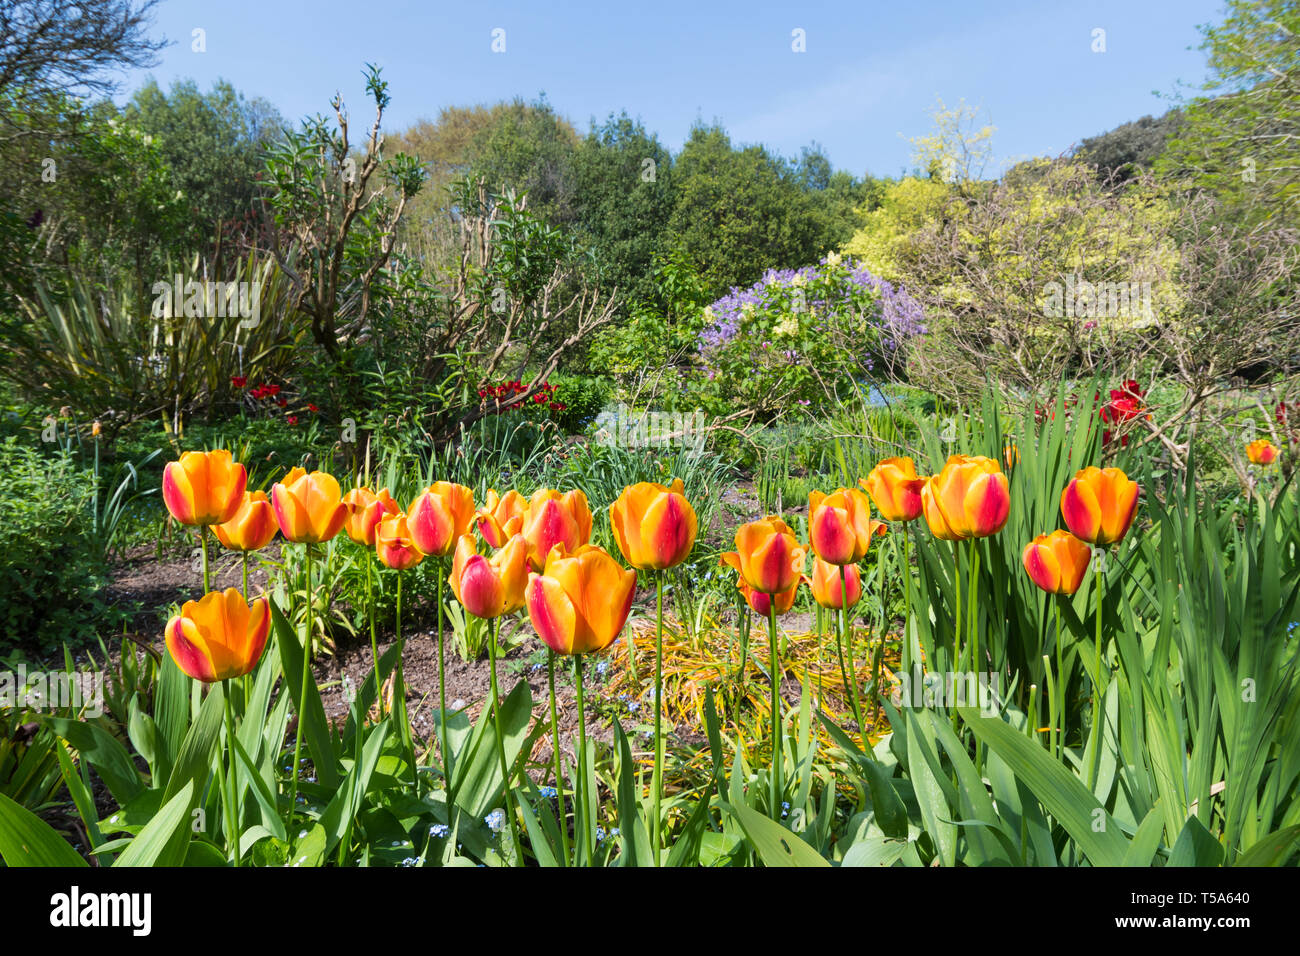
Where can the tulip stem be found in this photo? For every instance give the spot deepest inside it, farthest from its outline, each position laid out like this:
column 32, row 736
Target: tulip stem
column 657, row 835
column 1095, row 767
column 583, row 797
column 907, row 602
column 442, row 694
column 399, row 696
column 500, row 735
column 851, row 675
column 956, row 637
column 245, row 556
column 559, row 770
column 232, row 812
column 374, row 645
column 1060, row 685
column 302, row 695
column 775, row 777
column 203, row 545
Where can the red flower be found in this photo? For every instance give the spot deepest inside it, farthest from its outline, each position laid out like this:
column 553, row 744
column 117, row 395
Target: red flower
column 291, row 419
column 239, row 381
column 1125, row 405
column 282, row 402
column 312, row 408
column 558, row 406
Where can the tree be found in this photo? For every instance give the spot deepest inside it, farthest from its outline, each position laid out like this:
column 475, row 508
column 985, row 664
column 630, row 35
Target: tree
column 1244, row 144
column 51, row 46
column 214, row 146
column 1129, row 148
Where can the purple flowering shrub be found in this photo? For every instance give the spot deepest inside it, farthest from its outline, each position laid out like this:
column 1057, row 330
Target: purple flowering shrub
column 810, row 336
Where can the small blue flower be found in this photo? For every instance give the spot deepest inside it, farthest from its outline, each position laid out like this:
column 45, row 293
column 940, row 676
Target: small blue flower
column 600, row 834
column 496, row 820
column 438, row 830
column 785, row 809
column 547, row 793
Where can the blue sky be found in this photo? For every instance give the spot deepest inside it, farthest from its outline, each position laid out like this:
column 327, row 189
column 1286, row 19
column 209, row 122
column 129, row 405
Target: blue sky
column 869, row 76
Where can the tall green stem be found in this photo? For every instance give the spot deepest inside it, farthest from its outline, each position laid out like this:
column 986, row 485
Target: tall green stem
column 203, row 544
column 555, row 748
column 1060, row 686
column 584, row 809
column 374, row 644
column 1097, row 690
column 501, row 740
column 775, row 777
column 956, row 646
column 399, row 697
column 232, row 811
column 245, row 555
column 445, row 745
column 302, row 694
column 657, row 834
column 847, row 639
column 907, row 602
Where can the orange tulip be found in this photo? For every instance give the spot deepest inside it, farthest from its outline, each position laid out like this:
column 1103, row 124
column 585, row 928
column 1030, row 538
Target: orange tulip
column 501, row 518
column 394, row 545
column 580, row 601
column 768, row 555
column 759, row 602
column 1098, row 505
column 204, row 487
column 1261, row 452
column 553, row 518
column 1011, row 454
column 252, row 527
column 490, row 587
column 969, row 498
column 895, row 489
column 654, row 525
column 365, row 510
column 439, row 516
column 825, row 583
column 840, row 526
column 1057, row 562
column 219, row 636
column 308, row 507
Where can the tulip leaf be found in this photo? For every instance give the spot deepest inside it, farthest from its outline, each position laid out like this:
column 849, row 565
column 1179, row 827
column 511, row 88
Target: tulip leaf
column 27, row 840
column 1195, row 846
column 632, row 837
column 310, row 711
column 890, row 813
column 171, row 712
column 103, row 751
column 81, row 795
column 1142, row 848
column 543, row 832
column 262, row 792
column 875, row 851
column 165, row 839
column 689, row 843
column 776, row 845
column 1272, row 850
column 342, row 809
column 194, row 758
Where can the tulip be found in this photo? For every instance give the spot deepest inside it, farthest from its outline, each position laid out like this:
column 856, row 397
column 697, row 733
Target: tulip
column 501, row 518
column 1098, row 505
column 439, row 516
column 578, row 604
column 1261, row 452
column 204, row 487
column 365, row 510
column 969, row 498
column 1011, row 454
column 251, row 528
column 840, row 526
column 654, row 525
column 895, row 489
column 1057, row 562
column 490, row 587
column 827, row 585
column 308, row 507
column 393, row 543
column 219, row 636
column 767, row 604
column 768, row 555
column 553, row 518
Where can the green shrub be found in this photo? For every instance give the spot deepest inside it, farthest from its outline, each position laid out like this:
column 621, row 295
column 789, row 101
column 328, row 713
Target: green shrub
column 49, row 578
column 583, row 397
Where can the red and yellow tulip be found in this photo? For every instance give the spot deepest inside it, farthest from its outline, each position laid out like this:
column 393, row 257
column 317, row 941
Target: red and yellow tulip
column 969, row 498
column 439, row 516
column 252, row 527
column 760, row 603
column 308, row 507
column 1098, row 505
column 580, row 601
column 1261, row 452
column 219, row 636
column 1057, row 562
column 394, row 545
column 654, row 525
column 553, row 518
column 826, row 585
column 500, row 519
column 840, row 526
column 768, row 555
column 204, row 487
column 490, row 587
column 895, row 488
column 365, row 510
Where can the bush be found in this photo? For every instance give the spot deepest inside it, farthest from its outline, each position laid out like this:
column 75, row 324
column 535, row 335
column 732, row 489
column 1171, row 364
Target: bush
column 49, row 577
column 583, row 398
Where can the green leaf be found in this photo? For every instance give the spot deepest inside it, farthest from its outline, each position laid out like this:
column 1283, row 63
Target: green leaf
column 776, row 845
column 102, row 750
column 875, row 851
column 81, row 796
column 1196, row 846
column 195, row 755
column 1273, row 850
column 27, row 840
column 165, row 839
column 311, row 712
